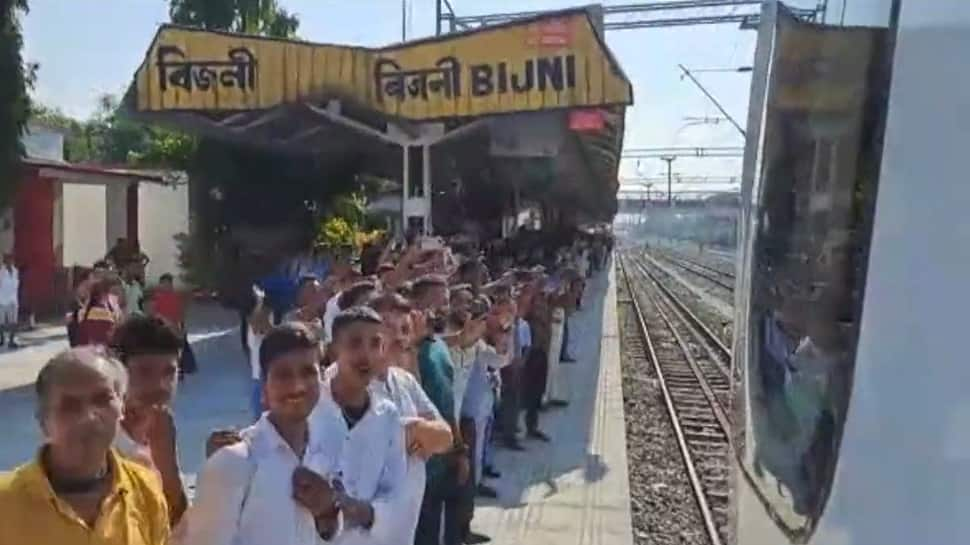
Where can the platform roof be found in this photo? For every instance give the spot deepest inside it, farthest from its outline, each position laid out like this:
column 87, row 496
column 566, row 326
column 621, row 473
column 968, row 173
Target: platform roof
column 330, row 100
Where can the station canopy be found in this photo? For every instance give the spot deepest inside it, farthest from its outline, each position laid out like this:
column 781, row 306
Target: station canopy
column 297, row 97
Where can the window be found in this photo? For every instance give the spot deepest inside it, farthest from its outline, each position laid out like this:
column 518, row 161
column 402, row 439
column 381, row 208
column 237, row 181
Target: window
column 806, row 268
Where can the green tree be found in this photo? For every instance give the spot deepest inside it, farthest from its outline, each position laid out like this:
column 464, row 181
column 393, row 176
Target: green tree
column 15, row 80
column 262, row 17
column 232, row 186
column 110, row 137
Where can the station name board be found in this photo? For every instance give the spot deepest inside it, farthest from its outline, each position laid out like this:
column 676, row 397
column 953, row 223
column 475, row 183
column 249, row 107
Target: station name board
column 530, row 66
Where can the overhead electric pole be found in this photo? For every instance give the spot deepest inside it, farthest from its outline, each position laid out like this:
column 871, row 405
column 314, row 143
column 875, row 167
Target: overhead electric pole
column 669, row 159
column 437, row 17
column 712, row 99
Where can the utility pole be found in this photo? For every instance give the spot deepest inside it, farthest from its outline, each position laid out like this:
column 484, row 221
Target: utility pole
column 712, row 99
column 404, row 20
column 669, row 159
column 437, row 17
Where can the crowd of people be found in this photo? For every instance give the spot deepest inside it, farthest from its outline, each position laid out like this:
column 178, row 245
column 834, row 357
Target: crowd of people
column 114, row 289
column 377, row 401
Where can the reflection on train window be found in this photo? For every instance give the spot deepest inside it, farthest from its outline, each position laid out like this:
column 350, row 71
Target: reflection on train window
column 807, row 261
column 825, row 161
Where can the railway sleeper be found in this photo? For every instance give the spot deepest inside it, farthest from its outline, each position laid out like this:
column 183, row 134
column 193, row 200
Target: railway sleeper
column 695, row 413
column 688, row 394
column 700, row 423
column 705, row 435
column 710, row 448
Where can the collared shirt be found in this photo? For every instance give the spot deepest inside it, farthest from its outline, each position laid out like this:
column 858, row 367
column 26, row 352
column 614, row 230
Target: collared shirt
column 437, row 378
column 403, row 390
column 9, row 285
column 126, row 445
column 523, row 337
column 141, row 454
column 482, row 381
column 368, row 459
column 462, row 360
column 133, row 513
column 244, row 493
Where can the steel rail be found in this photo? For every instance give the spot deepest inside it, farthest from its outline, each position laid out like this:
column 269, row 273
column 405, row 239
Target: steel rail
column 685, row 438
column 717, row 347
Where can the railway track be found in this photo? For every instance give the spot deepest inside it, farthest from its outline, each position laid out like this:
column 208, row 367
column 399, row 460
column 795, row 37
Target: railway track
column 696, row 386
column 716, row 276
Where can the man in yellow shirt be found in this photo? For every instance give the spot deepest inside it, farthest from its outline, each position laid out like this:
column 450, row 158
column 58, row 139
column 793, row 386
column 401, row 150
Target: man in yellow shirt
column 78, row 490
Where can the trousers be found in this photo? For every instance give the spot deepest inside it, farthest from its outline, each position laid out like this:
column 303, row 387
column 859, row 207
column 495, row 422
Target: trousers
column 440, row 521
column 534, row 386
column 510, row 407
column 554, row 389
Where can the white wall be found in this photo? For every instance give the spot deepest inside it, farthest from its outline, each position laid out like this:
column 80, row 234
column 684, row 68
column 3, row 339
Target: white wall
column 43, row 143
column 116, row 212
column 163, row 213
column 84, row 224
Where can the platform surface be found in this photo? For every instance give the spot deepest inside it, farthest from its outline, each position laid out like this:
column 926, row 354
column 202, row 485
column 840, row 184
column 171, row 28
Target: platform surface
column 574, row 490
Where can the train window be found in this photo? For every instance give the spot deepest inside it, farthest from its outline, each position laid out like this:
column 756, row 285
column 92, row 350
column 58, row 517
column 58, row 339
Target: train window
column 805, row 258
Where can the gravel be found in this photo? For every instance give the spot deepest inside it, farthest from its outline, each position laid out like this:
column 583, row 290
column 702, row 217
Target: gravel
column 698, row 279
column 663, row 507
column 713, row 318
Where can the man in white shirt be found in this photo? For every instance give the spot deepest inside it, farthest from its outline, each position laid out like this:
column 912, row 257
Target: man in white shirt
column 426, row 433
column 512, row 374
column 269, row 488
column 9, row 300
column 259, row 322
column 362, row 449
column 340, row 277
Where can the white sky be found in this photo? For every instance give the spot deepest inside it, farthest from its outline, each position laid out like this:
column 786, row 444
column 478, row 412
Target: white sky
column 89, row 47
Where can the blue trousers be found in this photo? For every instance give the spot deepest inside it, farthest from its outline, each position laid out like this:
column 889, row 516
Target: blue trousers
column 256, row 399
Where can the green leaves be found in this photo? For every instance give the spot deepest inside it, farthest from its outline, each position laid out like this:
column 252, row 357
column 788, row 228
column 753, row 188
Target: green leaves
column 110, row 137
column 262, row 17
column 14, row 99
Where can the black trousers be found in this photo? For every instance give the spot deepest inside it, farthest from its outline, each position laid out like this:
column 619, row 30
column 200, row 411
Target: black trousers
column 466, row 492
column 534, row 386
column 510, row 405
column 441, row 499
column 187, row 363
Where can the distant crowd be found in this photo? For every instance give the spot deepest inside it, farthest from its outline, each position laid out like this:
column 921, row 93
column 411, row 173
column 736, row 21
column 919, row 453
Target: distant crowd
column 378, row 397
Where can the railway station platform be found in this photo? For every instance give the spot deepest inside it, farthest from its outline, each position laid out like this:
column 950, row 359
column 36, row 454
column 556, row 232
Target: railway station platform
column 575, row 489
column 572, row 491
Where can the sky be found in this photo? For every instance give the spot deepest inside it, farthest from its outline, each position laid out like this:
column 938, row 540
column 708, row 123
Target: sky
column 86, row 48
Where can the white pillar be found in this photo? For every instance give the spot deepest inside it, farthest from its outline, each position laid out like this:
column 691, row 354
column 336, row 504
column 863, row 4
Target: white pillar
column 426, row 182
column 405, row 188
